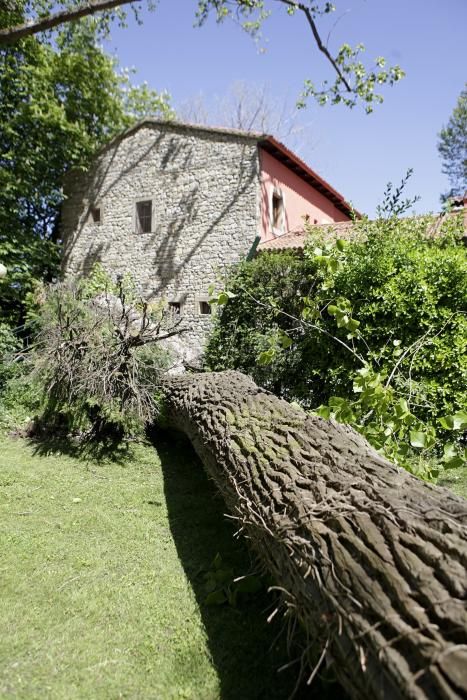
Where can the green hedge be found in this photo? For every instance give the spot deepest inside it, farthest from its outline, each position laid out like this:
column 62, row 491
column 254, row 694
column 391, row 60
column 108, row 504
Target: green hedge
column 406, row 288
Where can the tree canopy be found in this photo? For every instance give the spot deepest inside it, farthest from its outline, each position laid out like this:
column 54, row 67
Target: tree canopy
column 58, row 104
column 452, row 146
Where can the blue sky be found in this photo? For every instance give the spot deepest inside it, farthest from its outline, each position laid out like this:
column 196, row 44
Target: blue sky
column 357, row 153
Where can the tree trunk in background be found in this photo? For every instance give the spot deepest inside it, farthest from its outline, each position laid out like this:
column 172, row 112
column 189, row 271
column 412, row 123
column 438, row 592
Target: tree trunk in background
column 370, row 560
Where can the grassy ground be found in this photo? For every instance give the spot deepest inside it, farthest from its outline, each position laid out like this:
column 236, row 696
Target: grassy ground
column 102, row 582
column 456, row 480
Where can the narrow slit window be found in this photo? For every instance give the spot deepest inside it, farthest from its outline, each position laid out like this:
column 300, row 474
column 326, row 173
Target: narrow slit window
column 205, row 308
column 96, row 215
column 144, row 217
column 277, row 210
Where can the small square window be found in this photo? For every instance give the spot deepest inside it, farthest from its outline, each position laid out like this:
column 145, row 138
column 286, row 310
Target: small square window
column 144, row 216
column 175, row 308
column 95, row 215
column 205, row 308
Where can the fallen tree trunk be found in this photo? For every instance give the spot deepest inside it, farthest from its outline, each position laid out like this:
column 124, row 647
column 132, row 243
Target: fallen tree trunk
column 369, row 559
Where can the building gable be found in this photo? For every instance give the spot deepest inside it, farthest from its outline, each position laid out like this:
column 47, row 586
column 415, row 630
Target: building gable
column 177, row 205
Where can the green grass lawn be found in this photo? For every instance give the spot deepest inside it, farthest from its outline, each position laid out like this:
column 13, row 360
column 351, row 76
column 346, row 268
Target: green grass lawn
column 102, row 582
column 456, row 480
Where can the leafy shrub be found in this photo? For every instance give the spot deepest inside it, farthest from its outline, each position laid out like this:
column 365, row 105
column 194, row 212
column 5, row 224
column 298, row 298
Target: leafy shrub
column 391, row 303
column 20, row 400
column 9, row 345
column 19, row 396
column 264, row 289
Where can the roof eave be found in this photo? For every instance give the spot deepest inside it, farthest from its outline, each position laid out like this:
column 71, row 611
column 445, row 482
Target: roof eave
column 295, row 164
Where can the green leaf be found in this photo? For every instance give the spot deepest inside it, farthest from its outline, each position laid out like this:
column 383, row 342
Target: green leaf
column 284, row 340
column 446, row 422
column 418, row 439
column 323, row 412
column 217, row 561
column 452, row 459
column 328, row 283
column 454, row 463
column 215, row 598
column 322, row 261
column 353, row 325
column 210, row 585
column 458, row 421
column 341, row 245
column 342, row 320
column 224, row 575
column 266, row 357
column 449, row 451
column 231, row 597
column 401, row 409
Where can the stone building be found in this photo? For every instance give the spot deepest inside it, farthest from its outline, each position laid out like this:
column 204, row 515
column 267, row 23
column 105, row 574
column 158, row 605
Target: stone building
column 177, row 205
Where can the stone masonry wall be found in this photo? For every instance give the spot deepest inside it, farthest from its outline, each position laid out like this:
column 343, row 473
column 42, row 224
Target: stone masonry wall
column 204, row 188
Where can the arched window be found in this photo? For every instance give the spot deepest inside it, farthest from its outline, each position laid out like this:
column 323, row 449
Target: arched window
column 277, row 211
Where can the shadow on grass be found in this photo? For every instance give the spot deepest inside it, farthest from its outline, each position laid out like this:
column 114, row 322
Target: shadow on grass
column 245, row 649
column 113, row 450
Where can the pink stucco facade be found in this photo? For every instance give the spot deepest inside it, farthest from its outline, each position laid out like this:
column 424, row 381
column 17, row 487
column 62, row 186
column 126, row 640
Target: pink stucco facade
column 299, row 199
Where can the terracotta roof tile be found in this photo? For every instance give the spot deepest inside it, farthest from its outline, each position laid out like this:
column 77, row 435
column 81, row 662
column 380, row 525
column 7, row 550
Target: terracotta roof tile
column 296, row 239
column 344, row 229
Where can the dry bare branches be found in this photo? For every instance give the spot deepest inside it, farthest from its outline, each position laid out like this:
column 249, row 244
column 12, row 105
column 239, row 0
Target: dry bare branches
column 97, row 356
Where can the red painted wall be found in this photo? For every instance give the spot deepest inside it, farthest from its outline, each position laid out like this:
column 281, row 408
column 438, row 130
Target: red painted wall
column 299, row 198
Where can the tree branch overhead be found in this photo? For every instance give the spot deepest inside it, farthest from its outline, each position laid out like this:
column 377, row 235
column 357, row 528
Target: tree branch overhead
column 9, row 35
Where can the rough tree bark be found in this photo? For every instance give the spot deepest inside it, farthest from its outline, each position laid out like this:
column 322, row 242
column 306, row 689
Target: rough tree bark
column 370, row 560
